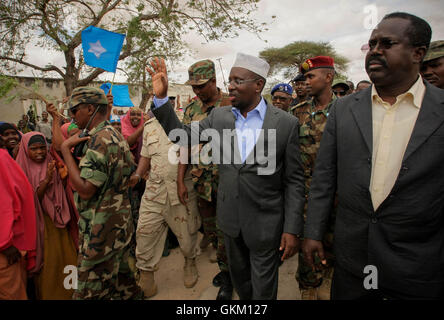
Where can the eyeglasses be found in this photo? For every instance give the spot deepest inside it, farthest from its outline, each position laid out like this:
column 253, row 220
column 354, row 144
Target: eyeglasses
column 276, row 98
column 384, row 44
column 238, row 82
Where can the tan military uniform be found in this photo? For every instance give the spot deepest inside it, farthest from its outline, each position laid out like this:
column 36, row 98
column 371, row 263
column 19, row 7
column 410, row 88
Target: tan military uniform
column 160, row 206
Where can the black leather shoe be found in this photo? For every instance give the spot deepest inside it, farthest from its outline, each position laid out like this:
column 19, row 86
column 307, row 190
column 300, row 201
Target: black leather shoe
column 217, row 280
column 225, row 292
column 226, row 288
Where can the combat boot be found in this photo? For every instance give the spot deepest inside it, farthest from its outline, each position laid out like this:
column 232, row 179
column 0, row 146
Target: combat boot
column 309, row 294
column 147, row 284
column 190, row 274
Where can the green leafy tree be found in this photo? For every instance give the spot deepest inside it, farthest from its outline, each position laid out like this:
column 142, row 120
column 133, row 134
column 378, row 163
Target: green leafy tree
column 152, row 27
column 288, row 59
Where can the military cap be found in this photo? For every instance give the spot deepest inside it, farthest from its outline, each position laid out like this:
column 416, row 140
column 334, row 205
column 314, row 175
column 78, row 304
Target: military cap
column 340, row 82
column 200, row 72
column 282, row 87
column 436, row 50
column 87, row 95
column 316, row 63
column 299, row 77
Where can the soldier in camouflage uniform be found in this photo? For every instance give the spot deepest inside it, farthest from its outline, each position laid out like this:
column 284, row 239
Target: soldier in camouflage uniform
column 312, row 116
column 101, row 182
column 432, row 68
column 160, row 208
column 202, row 78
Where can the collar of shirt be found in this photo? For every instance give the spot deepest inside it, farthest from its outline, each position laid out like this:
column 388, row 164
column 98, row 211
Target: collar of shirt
column 99, row 127
column 260, row 110
column 416, row 92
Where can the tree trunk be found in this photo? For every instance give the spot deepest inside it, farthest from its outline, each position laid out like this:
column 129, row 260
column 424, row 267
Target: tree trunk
column 70, row 79
column 146, row 95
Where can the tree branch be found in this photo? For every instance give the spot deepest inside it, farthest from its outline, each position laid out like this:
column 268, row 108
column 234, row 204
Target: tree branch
column 45, row 69
column 91, row 77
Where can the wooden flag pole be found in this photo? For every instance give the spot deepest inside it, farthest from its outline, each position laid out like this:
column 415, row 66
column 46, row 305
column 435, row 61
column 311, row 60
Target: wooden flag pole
column 112, row 82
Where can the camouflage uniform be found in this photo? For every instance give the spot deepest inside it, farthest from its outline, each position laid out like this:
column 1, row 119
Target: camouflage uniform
column 105, row 224
column 105, row 221
column 206, row 177
column 311, row 127
column 160, row 206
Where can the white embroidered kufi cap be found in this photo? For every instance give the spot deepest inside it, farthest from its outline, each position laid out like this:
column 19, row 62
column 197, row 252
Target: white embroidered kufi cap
column 252, row 63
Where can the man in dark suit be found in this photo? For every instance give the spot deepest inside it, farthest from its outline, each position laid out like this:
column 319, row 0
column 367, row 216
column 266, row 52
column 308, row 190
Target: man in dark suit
column 382, row 152
column 261, row 190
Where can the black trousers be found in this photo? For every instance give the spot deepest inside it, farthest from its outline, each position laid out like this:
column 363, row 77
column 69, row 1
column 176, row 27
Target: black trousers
column 254, row 273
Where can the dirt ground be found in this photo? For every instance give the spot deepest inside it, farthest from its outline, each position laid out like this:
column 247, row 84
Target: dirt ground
column 170, row 283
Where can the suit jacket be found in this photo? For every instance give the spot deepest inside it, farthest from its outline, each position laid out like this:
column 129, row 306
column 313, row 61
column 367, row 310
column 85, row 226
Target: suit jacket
column 404, row 238
column 260, row 207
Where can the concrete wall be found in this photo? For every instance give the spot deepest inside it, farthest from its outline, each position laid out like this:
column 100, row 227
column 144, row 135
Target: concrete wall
column 54, row 90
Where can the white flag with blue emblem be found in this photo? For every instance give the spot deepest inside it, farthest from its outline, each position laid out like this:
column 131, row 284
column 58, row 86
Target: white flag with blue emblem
column 101, row 48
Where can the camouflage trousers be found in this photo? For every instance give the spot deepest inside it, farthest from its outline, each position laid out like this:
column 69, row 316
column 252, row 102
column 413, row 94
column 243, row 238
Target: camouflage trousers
column 109, row 279
column 305, row 275
column 207, row 211
column 135, row 195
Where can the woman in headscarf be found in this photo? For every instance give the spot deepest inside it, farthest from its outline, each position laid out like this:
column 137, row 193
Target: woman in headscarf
column 11, row 137
column 56, row 221
column 17, row 229
column 132, row 129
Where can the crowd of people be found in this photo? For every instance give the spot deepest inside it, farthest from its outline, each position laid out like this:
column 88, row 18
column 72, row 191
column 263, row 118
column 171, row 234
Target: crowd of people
column 356, row 181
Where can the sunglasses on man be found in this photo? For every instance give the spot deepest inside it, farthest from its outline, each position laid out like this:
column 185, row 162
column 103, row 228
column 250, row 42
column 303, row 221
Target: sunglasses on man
column 74, row 110
column 340, row 93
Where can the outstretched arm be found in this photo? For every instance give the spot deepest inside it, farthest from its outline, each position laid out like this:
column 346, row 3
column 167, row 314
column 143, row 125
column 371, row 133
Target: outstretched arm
column 164, row 111
column 57, row 136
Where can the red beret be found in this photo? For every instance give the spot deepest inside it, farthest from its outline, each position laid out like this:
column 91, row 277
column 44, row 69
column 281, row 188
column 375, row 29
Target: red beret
column 317, row 62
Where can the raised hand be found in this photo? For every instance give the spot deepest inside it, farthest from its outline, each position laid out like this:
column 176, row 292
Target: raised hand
column 52, row 110
column 159, row 77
